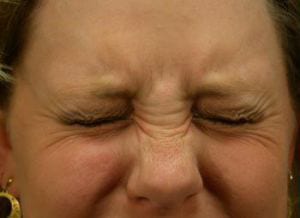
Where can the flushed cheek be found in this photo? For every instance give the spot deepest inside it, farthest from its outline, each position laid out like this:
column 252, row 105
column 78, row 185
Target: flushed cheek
column 76, row 175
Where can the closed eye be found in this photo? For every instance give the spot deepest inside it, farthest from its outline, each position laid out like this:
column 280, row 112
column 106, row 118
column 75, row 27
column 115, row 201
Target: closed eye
column 96, row 118
column 91, row 123
column 222, row 120
column 228, row 121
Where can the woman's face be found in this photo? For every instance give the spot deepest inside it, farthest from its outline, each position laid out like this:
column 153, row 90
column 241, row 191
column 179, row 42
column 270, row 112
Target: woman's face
column 151, row 109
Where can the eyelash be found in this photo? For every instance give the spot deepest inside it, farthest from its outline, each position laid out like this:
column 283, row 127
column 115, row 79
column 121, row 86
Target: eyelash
column 92, row 123
column 111, row 120
column 225, row 121
column 197, row 116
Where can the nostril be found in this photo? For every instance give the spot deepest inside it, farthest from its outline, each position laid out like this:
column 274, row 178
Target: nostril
column 166, row 192
column 142, row 199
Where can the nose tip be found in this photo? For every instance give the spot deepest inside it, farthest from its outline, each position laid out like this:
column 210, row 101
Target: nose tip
column 164, row 186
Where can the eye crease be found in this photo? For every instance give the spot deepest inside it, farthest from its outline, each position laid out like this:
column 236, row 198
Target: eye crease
column 94, row 122
column 216, row 119
column 95, row 118
column 90, row 121
column 226, row 120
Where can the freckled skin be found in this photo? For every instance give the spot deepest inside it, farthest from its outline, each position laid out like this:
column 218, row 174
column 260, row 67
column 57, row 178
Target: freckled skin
column 171, row 56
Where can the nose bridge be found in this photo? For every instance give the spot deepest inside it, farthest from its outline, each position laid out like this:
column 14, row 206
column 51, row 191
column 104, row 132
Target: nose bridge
column 163, row 111
column 166, row 173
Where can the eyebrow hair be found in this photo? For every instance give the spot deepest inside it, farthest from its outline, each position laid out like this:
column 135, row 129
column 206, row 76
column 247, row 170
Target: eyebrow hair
column 82, row 111
column 213, row 90
column 109, row 91
column 112, row 90
column 91, row 113
column 112, row 93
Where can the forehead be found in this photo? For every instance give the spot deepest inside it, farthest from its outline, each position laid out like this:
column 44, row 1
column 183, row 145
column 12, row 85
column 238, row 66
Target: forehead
column 138, row 37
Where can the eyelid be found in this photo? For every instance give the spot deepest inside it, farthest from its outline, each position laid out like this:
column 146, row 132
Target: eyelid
column 228, row 121
column 224, row 119
column 95, row 122
column 93, row 118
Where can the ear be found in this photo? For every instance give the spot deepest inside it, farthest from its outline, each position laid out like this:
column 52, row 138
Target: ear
column 6, row 160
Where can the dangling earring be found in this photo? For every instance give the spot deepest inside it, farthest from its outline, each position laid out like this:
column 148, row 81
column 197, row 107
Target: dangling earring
column 14, row 209
column 291, row 176
column 290, row 200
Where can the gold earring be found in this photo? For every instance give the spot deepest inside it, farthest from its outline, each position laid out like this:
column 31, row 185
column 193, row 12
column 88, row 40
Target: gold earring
column 291, row 176
column 14, row 210
column 290, row 200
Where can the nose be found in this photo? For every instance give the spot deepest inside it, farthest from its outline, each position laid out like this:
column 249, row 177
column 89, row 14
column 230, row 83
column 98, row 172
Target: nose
column 164, row 177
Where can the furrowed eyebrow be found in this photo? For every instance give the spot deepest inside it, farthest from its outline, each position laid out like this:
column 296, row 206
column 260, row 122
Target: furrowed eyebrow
column 113, row 93
column 219, row 88
column 109, row 90
column 104, row 100
column 92, row 113
column 213, row 91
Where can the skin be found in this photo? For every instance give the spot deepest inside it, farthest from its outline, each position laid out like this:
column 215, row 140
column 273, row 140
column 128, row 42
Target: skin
column 173, row 71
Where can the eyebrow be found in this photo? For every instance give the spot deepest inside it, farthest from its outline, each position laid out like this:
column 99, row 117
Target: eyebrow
column 113, row 93
column 78, row 112
column 213, row 91
column 108, row 90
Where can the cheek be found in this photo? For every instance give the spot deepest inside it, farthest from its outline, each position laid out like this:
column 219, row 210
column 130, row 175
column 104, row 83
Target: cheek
column 72, row 175
column 248, row 178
